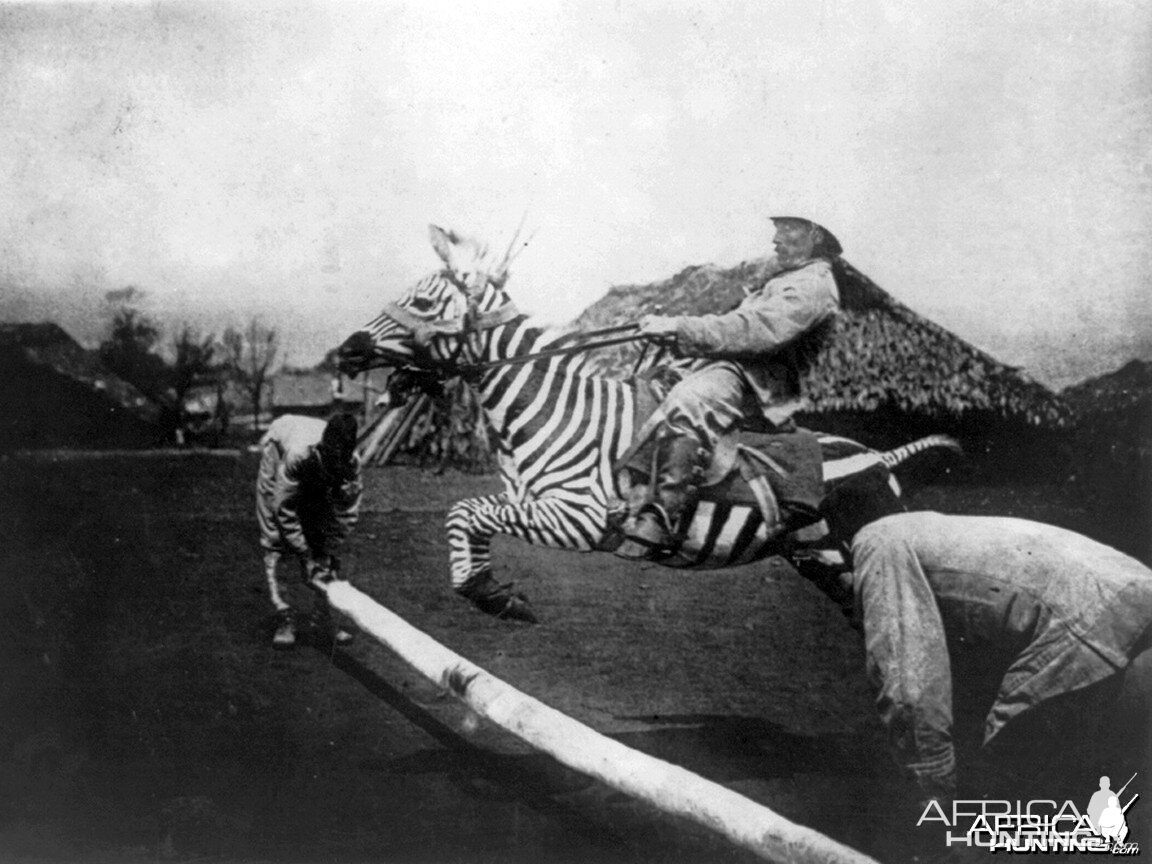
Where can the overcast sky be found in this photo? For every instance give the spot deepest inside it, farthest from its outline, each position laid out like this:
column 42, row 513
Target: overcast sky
column 987, row 162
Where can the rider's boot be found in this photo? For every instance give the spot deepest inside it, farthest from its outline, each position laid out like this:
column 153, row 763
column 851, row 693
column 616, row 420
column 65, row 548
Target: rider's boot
column 680, row 464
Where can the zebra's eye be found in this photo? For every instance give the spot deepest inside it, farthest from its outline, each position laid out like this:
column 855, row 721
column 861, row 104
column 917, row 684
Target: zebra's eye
column 421, row 304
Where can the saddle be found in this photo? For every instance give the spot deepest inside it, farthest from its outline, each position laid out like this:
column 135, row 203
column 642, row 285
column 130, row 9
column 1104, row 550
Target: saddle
column 779, row 472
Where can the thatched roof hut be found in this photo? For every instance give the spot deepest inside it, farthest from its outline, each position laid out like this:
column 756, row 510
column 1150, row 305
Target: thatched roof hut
column 879, row 355
column 1112, row 450
column 57, row 394
column 1126, row 391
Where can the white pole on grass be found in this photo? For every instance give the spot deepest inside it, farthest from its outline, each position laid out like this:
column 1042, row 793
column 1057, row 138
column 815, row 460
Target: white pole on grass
column 671, row 788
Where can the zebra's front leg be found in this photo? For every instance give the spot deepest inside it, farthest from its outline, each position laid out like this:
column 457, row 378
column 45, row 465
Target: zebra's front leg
column 470, row 555
column 559, row 523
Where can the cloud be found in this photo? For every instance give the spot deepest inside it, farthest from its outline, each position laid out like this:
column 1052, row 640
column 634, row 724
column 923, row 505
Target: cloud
column 985, row 163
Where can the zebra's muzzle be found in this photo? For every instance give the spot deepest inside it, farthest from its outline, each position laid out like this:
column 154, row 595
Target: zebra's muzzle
column 359, row 352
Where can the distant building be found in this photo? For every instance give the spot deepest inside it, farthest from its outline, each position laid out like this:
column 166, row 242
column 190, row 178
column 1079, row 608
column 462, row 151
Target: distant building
column 316, row 393
column 58, row 395
column 211, row 410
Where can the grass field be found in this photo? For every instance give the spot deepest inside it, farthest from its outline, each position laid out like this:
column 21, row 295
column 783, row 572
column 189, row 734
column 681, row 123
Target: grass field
column 143, row 716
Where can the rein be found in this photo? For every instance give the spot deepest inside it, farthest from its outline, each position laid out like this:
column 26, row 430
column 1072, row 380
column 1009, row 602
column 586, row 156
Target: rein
column 568, row 349
column 474, row 322
column 471, row 324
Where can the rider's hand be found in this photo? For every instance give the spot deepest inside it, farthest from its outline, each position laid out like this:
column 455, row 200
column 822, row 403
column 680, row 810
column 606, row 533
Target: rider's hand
column 658, row 326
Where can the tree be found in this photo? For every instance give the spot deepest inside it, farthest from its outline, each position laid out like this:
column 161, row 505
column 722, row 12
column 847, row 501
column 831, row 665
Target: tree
column 193, row 365
column 129, row 352
column 192, row 360
column 250, row 355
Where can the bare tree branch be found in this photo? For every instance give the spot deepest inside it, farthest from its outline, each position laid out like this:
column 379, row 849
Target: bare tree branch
column 251, row 355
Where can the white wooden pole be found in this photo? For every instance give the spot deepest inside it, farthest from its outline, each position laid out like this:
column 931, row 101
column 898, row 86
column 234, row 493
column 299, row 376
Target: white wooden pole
column 668, row 787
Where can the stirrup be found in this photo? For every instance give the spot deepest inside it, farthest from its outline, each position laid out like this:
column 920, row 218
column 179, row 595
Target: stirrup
column 648, row 535
column 651, row 527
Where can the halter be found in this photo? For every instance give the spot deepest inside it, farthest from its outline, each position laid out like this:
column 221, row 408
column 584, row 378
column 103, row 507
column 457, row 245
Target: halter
column 470, row 322
column 473, row 322
column 467, row 325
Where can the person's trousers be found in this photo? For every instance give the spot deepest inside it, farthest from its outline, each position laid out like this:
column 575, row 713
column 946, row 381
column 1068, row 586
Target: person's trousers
column 707, row 403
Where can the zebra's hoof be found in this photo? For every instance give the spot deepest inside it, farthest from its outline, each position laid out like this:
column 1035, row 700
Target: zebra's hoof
column 499, row 601
column 518, row 609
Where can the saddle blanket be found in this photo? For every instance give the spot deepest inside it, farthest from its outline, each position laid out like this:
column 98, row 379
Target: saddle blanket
column 781, row 473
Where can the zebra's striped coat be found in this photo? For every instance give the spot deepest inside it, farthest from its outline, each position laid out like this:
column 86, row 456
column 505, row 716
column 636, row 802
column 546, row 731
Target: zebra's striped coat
column 558, row 429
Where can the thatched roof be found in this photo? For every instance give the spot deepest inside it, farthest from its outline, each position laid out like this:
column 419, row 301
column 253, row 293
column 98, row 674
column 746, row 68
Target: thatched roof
column 1114, row 414
column 1127, row 389
column 879, row 353
column 1112, row 449
column 57, row 394
column 49, row 345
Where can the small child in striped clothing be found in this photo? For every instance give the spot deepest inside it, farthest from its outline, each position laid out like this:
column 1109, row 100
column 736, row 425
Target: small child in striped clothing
column 307, row 501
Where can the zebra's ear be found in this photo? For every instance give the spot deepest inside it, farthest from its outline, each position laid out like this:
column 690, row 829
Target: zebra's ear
column 442, row 242
column 464, row 256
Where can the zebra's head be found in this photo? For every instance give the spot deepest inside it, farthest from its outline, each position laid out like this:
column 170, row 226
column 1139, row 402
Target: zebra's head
column 429, row 325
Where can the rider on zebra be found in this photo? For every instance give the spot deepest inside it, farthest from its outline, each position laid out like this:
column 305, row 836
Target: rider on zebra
column 758, row 349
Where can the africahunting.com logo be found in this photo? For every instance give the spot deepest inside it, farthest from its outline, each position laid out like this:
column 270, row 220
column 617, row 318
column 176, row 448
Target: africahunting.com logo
column 1040, row 825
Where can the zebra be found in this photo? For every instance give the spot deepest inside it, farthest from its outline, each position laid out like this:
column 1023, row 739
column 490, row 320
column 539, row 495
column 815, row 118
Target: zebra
column 559, row 429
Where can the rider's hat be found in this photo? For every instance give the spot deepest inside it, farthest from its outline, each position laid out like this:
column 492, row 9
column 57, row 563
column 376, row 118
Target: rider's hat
column 826, row 244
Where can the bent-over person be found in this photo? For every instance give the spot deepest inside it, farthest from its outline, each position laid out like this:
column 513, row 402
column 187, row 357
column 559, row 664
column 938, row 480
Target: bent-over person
column 307, row 501
column 1064, row 623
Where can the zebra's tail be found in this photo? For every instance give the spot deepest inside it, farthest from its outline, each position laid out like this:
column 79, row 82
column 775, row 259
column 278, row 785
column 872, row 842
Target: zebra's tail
column 902, row 454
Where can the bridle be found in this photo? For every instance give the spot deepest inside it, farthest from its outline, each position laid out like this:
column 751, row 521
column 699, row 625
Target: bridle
column 474, row 322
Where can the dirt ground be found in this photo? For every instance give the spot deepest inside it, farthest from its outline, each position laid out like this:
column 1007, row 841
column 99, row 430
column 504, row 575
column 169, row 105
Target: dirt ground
column 144, row 717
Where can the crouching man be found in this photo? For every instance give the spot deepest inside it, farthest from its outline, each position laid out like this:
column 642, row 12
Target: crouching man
column 1063, row 623
column 307, row 501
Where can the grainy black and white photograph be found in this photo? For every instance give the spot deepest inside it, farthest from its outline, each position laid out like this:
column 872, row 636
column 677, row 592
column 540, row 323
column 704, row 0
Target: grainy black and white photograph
column 575, row 432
